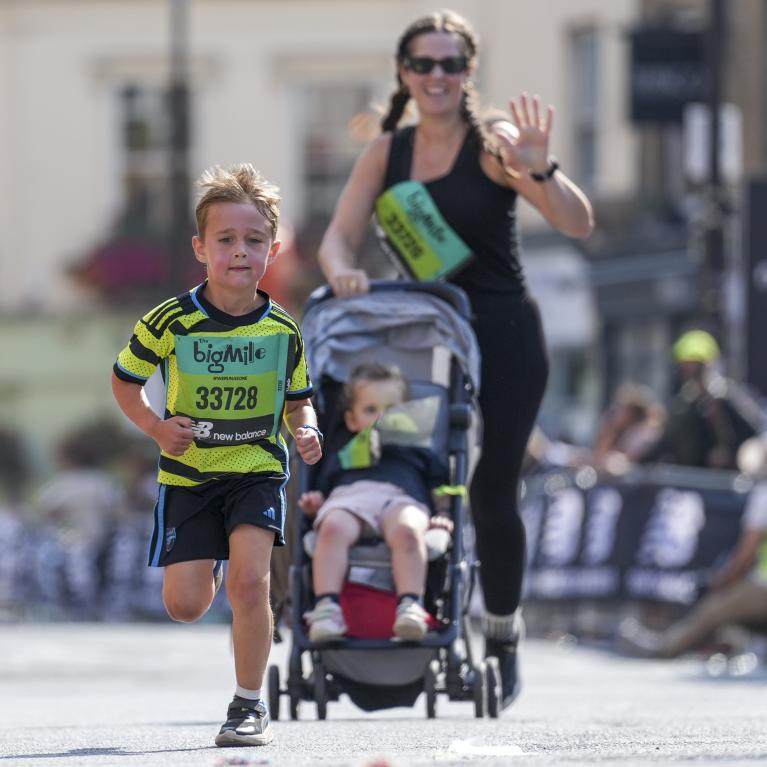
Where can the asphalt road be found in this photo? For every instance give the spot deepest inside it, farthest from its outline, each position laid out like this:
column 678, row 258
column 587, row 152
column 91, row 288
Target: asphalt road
column 146, row 695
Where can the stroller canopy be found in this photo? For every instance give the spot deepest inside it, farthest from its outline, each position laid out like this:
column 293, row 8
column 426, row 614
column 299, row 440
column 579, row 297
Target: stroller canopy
column 342, row 332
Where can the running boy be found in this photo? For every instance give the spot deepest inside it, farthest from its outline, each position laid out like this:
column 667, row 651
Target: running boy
column 390, row 497
column 234, row 369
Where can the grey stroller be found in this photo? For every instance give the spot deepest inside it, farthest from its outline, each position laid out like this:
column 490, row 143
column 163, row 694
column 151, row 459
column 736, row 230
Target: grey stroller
column 423, row 328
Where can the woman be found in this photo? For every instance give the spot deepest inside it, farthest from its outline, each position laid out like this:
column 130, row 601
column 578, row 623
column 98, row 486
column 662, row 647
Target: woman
column 473, row 176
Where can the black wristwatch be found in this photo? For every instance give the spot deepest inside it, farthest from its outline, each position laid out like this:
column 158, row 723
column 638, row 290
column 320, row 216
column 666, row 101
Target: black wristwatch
column 319, row 433
column 548, row 173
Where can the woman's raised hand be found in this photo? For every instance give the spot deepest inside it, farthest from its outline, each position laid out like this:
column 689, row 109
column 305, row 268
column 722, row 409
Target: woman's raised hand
column 349, row 282
column 526, row 143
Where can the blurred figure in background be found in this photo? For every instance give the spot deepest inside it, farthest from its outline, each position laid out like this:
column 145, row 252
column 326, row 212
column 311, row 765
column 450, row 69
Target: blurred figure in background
column 83, row 500
column 77, row 511
column 736, row 594
column 709, row 416
column 14, row 477
column 631, row 425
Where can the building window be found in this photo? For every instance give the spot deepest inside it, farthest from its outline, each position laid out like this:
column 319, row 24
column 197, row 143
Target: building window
column 585, row 85
column 330, row 149
column 144, row 145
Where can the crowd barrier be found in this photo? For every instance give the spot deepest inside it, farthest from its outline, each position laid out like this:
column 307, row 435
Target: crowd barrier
column 653, row 534
column 50, row 574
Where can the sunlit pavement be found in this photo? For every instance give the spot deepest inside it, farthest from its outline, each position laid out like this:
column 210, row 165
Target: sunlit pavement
column 98, row 694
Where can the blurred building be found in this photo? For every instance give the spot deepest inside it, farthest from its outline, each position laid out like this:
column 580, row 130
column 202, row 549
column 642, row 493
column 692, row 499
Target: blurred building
column 686, row 247
column 86, row 145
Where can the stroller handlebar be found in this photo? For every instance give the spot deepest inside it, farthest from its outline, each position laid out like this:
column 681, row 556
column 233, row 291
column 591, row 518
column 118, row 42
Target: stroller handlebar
column 451, row 294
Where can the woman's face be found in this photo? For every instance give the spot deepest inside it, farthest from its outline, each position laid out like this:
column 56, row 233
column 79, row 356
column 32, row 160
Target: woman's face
column 436, row 92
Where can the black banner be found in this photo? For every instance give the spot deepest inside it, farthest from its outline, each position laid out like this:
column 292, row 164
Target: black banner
column 640, row 538
column 755, row 269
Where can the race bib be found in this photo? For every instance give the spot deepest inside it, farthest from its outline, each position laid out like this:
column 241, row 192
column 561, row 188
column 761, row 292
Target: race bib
column 414, row 234
column 233, row 388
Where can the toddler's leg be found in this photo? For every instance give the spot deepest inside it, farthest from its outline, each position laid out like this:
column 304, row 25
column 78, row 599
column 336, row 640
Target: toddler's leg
column 403, row 529
column 338, row 530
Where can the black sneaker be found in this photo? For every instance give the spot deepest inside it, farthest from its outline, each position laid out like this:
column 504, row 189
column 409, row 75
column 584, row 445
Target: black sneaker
column 506, row 652
column 247, row 724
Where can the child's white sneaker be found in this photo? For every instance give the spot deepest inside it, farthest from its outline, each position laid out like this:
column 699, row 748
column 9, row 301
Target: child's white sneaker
column 326, row 621
column 410, row 622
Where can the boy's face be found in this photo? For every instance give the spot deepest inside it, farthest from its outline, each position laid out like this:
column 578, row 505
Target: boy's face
column 371, row 399
column 237, row 246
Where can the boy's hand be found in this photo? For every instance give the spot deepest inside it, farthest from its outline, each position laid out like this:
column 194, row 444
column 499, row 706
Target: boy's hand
column 174, row 435
column 308, row 445
column 310, row 502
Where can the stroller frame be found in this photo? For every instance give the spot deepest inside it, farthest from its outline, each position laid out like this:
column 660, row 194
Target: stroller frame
column 451, row 670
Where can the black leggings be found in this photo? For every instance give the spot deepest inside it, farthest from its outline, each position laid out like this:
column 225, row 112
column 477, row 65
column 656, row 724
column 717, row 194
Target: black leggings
column 514, row 372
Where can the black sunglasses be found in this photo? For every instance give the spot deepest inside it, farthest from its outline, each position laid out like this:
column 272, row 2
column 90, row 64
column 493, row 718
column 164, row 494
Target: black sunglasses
column 422, row 65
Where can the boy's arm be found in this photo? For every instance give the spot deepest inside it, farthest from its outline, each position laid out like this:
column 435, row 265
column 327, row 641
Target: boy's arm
column 299, row 414
column 173, row 436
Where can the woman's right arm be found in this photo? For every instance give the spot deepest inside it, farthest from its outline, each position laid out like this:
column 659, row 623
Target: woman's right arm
column 337, row 252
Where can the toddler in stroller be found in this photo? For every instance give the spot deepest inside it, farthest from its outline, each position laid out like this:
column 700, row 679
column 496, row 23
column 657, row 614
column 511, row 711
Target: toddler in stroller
column 387, row 497
column 423, row 329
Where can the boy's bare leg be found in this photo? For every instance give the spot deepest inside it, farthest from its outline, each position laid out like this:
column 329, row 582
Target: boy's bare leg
column 338, row 531
column 188, row 589
column 403, row 529
column 247, row 586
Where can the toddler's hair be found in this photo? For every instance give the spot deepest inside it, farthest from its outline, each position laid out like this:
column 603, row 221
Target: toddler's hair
column 238, row 183
column 372, row 371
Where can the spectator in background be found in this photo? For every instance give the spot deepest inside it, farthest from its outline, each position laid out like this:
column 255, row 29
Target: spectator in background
column 709, row 417
column 83, row 500
column 736, row 594
column 631, row 425
column 14, row 467
column 77, row 511
column 14, row 476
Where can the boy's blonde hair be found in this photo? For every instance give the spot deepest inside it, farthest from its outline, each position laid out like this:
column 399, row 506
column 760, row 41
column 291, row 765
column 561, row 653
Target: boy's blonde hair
column 238, row 183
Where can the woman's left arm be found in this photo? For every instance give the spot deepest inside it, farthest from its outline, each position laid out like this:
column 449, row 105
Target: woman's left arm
column 560, row 202
column 525, row 148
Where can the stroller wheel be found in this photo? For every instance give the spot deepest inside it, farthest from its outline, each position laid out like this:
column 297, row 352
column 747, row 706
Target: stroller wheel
column 294, row 704
column 479, row 690
column 320, row 690
column 493, row 682
column 274, row 692
column 430, row 688
column 295, row 682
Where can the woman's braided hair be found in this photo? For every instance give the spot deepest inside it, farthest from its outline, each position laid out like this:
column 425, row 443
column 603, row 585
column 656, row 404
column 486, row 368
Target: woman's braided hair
column 452, row 23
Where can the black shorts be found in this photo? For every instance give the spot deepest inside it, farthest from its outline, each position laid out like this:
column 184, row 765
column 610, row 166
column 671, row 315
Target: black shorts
column 195, row 522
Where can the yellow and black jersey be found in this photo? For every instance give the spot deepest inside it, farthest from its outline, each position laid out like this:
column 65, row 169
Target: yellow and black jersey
column 230, row 375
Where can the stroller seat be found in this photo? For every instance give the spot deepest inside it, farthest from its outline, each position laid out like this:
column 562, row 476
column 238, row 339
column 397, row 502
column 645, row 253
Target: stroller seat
column 375, row 553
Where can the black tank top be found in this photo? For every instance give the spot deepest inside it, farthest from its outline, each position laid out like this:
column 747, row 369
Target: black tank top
column 482, row 213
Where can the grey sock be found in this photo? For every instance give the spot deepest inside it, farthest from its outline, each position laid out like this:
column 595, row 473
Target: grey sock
column 502, row 628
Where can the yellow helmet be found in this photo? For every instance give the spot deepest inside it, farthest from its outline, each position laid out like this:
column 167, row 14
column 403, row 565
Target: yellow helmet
column 696, row 346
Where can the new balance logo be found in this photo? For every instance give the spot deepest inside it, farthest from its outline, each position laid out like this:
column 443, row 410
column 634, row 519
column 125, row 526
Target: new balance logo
column 270, row 513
